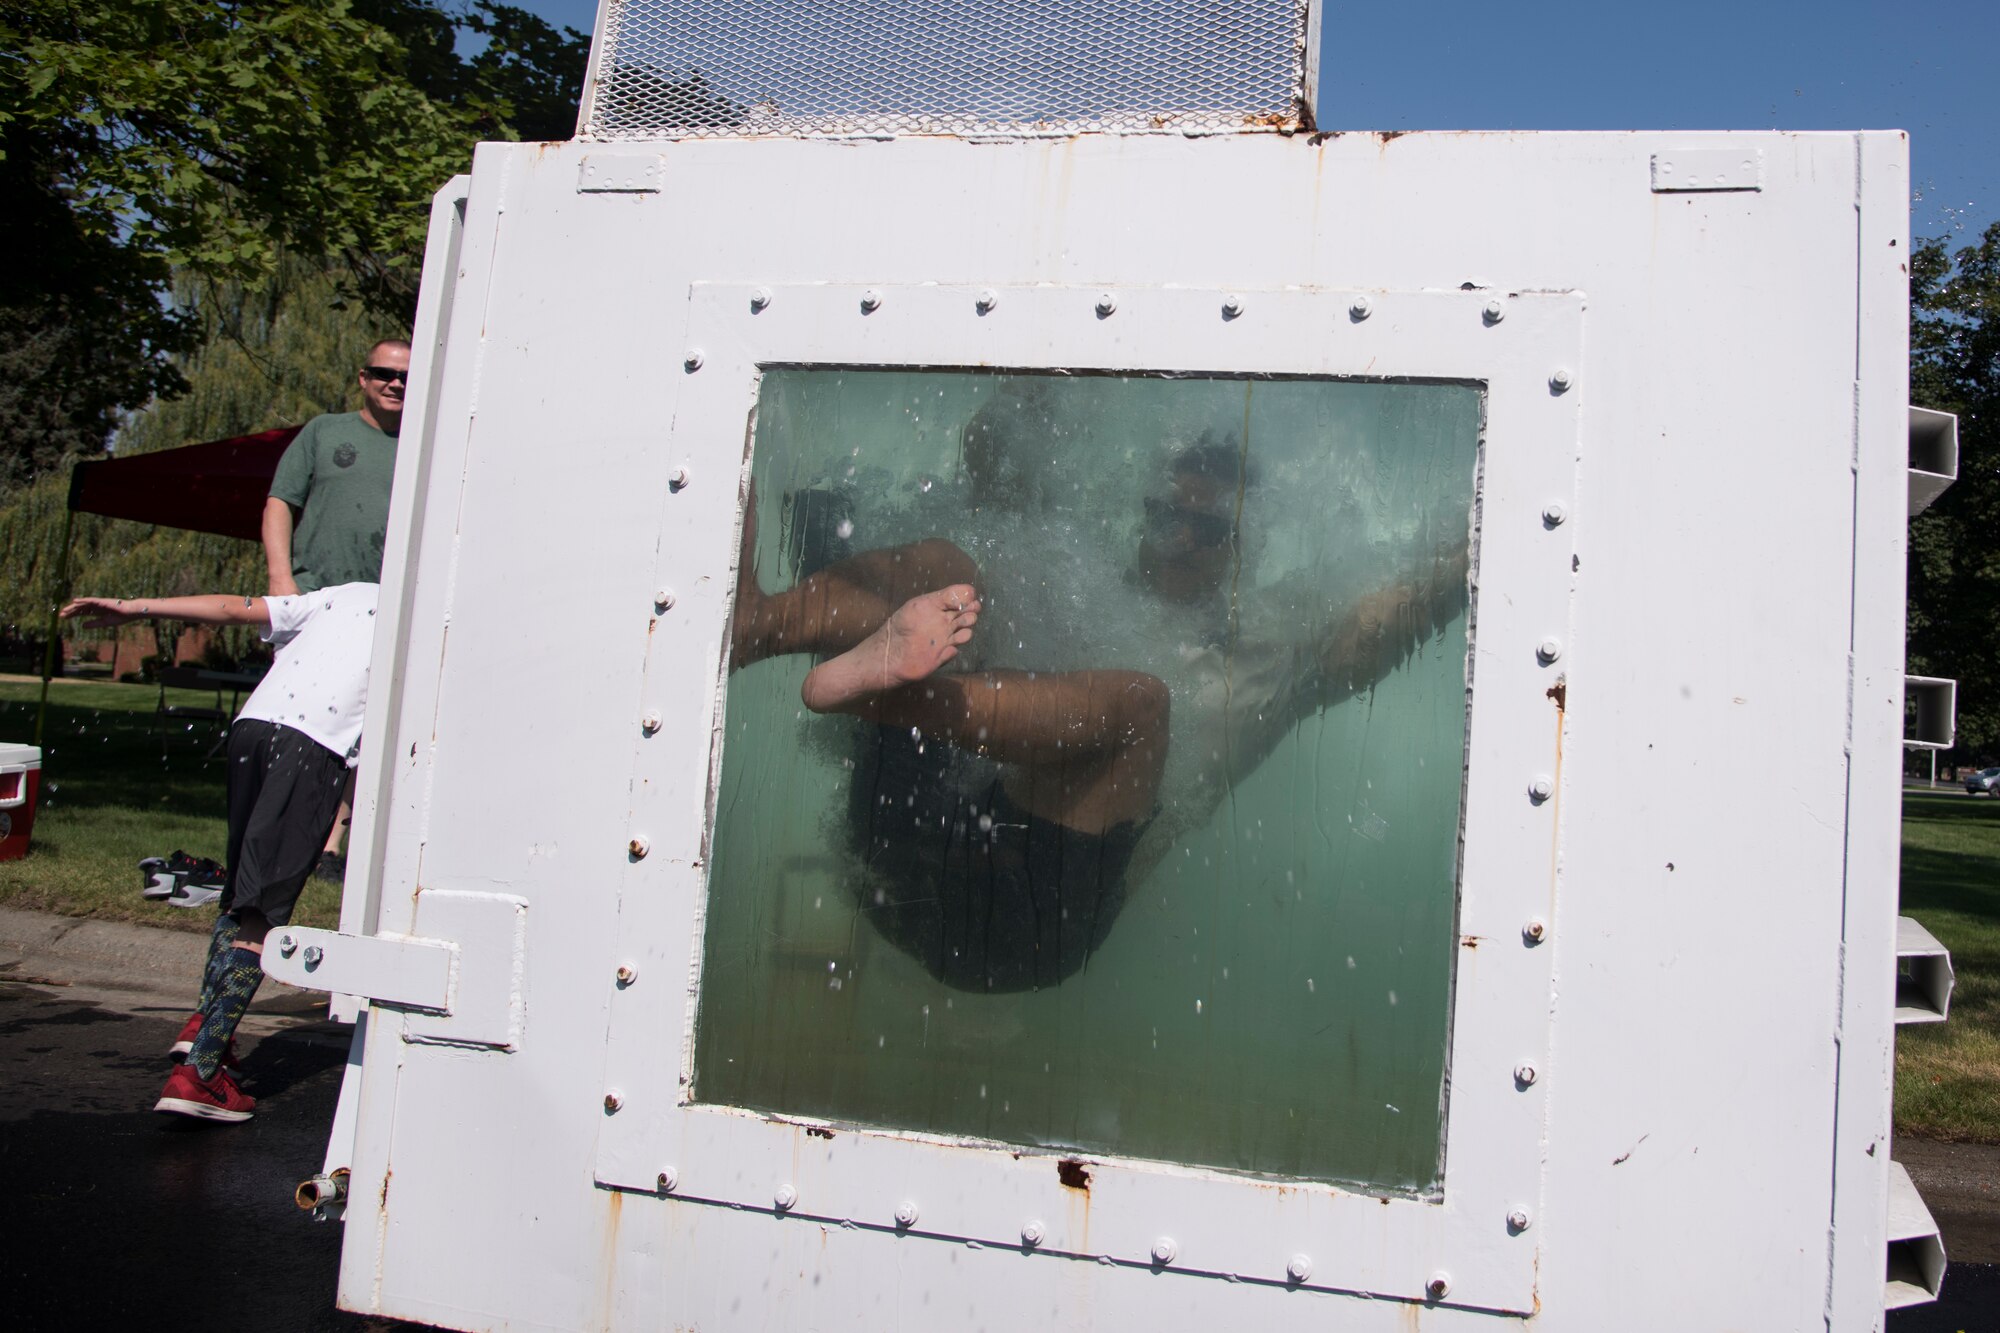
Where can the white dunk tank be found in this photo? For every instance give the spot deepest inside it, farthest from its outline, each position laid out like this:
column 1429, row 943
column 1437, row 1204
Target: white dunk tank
column 1458, row 888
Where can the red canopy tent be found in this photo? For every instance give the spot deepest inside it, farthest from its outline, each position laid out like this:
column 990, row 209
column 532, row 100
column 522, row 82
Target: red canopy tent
column 217, row 487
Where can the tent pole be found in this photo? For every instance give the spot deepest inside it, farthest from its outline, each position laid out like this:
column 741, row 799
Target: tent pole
column 55, row 609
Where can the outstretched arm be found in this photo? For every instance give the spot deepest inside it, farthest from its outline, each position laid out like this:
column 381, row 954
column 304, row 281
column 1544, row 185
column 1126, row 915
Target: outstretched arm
column 211, row 608
column 1382, row 628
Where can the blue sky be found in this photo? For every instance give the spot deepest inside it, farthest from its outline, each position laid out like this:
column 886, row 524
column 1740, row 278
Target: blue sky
column 1933, row 70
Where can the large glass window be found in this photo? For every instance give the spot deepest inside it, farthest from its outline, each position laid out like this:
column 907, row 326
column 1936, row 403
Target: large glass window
column 1151, row 852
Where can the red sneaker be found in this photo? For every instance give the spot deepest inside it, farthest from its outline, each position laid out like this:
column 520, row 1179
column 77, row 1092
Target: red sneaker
column 184, row 1044
column 185, row 1041
column 217, row 1099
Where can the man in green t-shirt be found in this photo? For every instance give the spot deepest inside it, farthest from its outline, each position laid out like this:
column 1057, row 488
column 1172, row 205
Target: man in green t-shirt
column 329, row 505
column 328, row 511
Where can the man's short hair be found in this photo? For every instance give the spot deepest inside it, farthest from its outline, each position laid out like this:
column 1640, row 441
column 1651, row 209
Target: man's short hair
column 1215, row 458
column 380, row 343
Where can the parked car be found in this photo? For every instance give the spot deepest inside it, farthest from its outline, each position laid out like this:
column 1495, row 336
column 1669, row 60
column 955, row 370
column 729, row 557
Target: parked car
column 1985, row 780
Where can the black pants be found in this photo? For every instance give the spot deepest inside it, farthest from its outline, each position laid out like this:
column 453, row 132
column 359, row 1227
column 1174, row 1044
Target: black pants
column 284, row 794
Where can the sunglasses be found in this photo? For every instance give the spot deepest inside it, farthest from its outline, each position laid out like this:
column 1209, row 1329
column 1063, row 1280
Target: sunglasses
column 384, row 375
column 1167, row 522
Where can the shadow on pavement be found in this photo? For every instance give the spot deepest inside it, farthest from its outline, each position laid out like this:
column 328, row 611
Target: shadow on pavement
column 121, row 1214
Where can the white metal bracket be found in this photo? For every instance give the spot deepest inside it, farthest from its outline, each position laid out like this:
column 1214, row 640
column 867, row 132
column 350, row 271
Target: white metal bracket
column 1708, row 169
column 388, row 969
column 614, row 172
column 1930, row 713
column 1924, row 975
column 1933, row 456
column 1916, row 1250
column 458, row 977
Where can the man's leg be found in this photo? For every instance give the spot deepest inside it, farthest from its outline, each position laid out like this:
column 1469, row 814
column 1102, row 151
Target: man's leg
column 237, row 983
column 332, row 864
column 832, row 609
column 284, row 791
column 1087, row 747
column 220, row 941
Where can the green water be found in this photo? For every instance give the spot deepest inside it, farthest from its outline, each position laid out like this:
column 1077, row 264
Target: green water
column 1274, row 996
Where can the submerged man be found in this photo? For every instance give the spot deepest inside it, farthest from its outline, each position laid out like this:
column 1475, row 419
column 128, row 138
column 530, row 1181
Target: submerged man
column 1000, row 813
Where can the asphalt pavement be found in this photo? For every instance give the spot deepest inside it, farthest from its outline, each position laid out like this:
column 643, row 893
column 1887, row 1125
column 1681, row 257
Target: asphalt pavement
column 123, row 1218
column 119, row 1217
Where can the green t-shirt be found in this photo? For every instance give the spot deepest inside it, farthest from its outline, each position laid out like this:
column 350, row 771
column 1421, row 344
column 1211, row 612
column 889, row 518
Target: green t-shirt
column 338, row 471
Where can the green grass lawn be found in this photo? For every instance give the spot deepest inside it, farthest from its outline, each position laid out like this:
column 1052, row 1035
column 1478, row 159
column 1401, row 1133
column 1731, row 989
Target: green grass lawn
column 118, row 786
column 1948, row 1074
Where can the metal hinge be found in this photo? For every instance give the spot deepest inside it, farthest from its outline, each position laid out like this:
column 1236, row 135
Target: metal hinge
column 457, row 976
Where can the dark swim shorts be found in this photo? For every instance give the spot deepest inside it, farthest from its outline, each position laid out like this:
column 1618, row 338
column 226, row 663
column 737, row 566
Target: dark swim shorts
column 987, row 896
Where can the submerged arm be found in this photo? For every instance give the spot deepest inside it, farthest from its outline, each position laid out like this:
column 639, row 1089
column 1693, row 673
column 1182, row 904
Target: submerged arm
column 1382, row 628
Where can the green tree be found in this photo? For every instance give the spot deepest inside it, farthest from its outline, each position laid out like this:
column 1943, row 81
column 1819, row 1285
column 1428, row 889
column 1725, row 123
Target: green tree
column 145, row 139
column 271, row 355
column 1954, row 566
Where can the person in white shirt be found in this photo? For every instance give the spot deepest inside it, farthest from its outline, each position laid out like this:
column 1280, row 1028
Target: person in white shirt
column 290, row 750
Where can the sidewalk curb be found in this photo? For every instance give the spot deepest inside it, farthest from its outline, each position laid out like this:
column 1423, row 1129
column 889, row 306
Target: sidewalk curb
column 116, row 955
column 133, row 967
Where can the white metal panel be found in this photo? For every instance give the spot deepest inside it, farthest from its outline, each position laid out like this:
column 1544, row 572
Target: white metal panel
column 1390, row 1247
column 1737, row 449
column 1874, row 808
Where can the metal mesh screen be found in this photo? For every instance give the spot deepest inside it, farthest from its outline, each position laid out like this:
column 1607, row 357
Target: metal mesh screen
column 674, row 68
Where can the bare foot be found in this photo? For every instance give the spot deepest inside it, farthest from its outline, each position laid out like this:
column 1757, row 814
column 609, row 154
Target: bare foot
column 920, row 636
